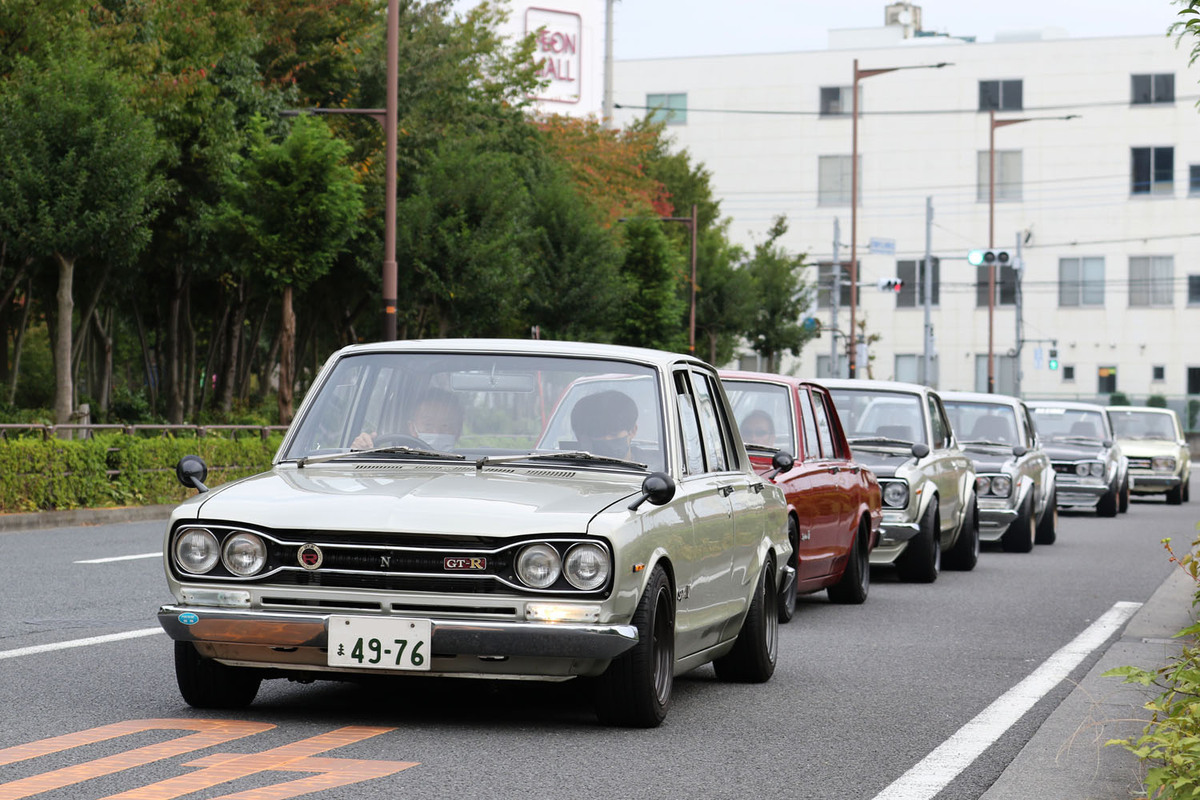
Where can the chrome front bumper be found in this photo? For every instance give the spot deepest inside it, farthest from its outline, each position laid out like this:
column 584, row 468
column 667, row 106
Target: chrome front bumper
column 993, row 522
column 1073, row 495
column 893, row 538
column 1153, row 484
column 224, row 626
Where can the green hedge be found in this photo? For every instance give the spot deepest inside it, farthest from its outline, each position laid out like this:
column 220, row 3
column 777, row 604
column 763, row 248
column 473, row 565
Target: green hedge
column 118, row 470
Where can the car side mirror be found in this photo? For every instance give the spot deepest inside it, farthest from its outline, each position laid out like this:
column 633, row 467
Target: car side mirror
column 782, row 461
column 1107, row 443
column 658, row 488
column 920, row 450
column 1020, row 450
column 192, row 472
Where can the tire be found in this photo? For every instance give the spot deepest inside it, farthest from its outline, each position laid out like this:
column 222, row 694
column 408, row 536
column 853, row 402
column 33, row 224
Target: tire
column 1022, row 533
column 855, row 583
column 787, row 600
column 1123, row 498
column 1109, row 505
column 635, row 690
column 753, row 657
column 1175, row 496
column 1047, row 529
column 205, row 683
column 1187, row 488
column 965, row 553
column 921, row 560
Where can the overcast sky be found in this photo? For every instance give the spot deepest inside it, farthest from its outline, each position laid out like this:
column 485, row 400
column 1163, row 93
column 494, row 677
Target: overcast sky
column 670, row 28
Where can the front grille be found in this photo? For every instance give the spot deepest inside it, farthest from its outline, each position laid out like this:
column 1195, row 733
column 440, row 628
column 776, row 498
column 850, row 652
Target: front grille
column 1140, row 463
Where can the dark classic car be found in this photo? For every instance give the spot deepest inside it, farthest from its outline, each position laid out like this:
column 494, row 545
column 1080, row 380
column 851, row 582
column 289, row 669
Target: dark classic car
column 1153, row 441
column 1090, row 470
column 1014, row 480
column 900, row 431
column 487, row 508
column 833, row 503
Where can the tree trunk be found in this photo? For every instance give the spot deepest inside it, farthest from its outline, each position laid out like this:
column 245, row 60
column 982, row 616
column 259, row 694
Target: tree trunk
column 234, row 349
column 287, row 354
column 63, row 388
column 19, row 342
column 147, row 356
column 189, row 369
column 213, row 349
column 174, row 355
column 251, row 360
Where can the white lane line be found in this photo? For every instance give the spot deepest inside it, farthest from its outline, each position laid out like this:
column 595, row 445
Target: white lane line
column 119, row 558
column 934, row 772
column 49, row 648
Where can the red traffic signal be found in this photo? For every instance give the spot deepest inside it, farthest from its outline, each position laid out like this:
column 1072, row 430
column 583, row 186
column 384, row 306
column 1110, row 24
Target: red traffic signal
column 890, row 285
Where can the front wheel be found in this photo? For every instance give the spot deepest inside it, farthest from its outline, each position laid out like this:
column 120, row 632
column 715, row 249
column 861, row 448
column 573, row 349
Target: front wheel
column 1047, row 529
column 965, row 553
column 635, row 690
column 205, row 683
column 787, row 600
column 856, row 579
column 1123, row 503
column 753, row 657
column 922, row 559
column 1021, row 533
column 1109, row 505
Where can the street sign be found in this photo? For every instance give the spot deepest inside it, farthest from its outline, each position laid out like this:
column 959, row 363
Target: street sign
column 882, row 247
column 1037, row 357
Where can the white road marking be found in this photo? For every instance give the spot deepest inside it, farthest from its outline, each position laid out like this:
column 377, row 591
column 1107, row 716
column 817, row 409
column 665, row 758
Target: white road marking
column 934, row 772
column 119, row 558
column 49, row 648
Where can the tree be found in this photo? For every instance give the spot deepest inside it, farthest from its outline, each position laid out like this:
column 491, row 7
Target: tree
column 652, row 307
column 76, row 181
column 294, row 205
column 725, row 297
column 782, row 296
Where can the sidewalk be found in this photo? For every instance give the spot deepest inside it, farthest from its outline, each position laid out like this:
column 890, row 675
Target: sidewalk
column 83, row 516
column 1066, row 759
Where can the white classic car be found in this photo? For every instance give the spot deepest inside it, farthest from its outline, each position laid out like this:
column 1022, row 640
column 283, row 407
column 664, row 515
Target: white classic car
column 487, row 508
column 1153, row 441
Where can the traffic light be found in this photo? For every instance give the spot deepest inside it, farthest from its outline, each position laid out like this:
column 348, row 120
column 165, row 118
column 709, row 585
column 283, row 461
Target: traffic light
column 988, row 258
column 1053, row 358
column 890, row 285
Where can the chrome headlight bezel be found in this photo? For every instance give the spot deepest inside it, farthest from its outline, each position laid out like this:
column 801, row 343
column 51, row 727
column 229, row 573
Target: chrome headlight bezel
column 895, row 494
column 244, row 554
column 196, row 550
column 1163, row 464
column 587, row 566
column 538, row 565
column 1097, row 469
column 1001, row 486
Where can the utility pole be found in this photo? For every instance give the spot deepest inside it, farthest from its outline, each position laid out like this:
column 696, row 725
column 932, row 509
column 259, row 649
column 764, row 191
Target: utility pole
column 927, row 287
column 608, row 65
column 835, row 292
column 1019, row 270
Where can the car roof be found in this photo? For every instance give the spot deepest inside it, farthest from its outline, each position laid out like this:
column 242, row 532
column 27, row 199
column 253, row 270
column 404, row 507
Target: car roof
column 1069, row 404
column 1139, row 409
column 544, row 347
column 981, row 397
column 872, row 385
column 765, row 377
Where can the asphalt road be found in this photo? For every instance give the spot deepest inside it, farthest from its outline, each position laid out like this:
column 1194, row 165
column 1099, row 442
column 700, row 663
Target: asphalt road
column 861, row 694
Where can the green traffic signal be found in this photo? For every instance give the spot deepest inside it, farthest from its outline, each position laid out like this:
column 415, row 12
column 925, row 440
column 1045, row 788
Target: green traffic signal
column 984, row 258
column 1053, row 358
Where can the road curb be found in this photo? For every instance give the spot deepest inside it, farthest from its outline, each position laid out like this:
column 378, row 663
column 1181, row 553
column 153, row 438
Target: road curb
column 10, row 523
column 1066, row 759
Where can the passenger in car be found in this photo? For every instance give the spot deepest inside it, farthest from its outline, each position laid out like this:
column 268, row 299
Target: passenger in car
column 758, row 428
column 605, row 424
column 437, row 420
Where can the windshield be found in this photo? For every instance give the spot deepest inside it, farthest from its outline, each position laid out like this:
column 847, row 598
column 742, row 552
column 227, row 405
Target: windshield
column 1142, row 425
column 763, row 412
column 894, row 416
column 1069, row 423
column 419, row 405
column 982, row 422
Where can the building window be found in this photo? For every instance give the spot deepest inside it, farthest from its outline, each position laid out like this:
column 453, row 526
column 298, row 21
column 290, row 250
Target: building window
column 1193, row 290
column 833, row 180
column 1194, row 179
column 838, row 101
column 1068, row 374
column 1149, row 89
column 912, row 291
column 1008, row 176
column 1006, row 286
column 1150, row 279
column 1159, row 373
column 1153, row 170
column 668, row 108
column 1004, row 372
column 1106, row 380
column 1000, row 96
column 1193, row 380
column 1081, row 281
column 825, row 283
column 911, row 369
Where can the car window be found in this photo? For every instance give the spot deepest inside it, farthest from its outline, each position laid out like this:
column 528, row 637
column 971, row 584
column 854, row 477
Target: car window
column 693, row 452
column 716, row 458
column 824, row 433
column 868, row 413
column 940, row 425
column 812, row 448
column 763, row 412
column 1030, row 435
column 1142, row 425
column 982, row 422
column 1060, row 423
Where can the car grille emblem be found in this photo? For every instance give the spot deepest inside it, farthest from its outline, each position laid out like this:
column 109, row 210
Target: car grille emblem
column 310, row 556
column 462, row 564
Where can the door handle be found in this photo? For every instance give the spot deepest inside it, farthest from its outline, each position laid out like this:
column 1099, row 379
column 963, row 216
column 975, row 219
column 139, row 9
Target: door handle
column 725, row 491
column 756, row 488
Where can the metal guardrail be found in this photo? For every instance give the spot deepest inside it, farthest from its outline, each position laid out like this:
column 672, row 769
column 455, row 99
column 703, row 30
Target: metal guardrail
column 88, row 429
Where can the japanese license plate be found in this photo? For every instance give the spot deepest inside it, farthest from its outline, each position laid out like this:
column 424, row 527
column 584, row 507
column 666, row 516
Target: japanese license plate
column 379, row 643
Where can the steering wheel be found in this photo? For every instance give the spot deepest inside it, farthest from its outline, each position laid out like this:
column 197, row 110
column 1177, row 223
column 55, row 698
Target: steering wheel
column 400, row 440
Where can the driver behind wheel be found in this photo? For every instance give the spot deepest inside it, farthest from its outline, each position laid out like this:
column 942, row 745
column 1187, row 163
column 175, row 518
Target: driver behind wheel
column 437, row 420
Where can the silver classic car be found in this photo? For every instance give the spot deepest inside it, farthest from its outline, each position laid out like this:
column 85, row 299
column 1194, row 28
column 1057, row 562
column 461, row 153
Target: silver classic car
column 1090, row 470
column 900, row 432
column 1014, row 480
column 487, row 508
column 1153, row 441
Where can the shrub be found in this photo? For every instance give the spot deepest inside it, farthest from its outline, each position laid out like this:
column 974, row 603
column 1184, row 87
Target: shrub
column 1156, row 401
column 1118, row 399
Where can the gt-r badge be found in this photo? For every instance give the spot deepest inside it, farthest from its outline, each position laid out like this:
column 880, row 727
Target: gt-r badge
column 310, row 556
column 473, row 563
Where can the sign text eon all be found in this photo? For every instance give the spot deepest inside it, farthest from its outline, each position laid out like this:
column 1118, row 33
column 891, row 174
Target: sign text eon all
column 557, row 50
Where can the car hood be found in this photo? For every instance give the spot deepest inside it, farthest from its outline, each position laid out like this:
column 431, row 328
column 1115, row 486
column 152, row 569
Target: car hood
column 417, row 498
column 1149, row 448
column 883, row 463
column 1064, row 451
column 987, row 458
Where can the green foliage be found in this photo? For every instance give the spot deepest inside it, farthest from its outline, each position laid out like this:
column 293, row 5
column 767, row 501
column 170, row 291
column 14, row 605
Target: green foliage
column 782, row 295
column 1156, row 401
column 1193, row 411
column 1118, row 399
column 652, row 272
column 117, row 470
column 1170, row 743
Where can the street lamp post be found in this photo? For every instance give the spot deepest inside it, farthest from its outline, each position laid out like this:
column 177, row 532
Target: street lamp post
column 994, row 123
column 859, row 74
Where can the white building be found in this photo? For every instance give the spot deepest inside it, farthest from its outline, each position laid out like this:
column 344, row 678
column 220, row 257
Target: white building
column 1104, row 209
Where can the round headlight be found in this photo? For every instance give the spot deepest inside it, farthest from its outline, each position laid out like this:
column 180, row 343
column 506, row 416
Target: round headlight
column 1097, row 469
column 1001, row 485
column 196, row 550
column 1081, row 470
column 895, row 494
column 587, row 566
column 983, row 485
column 1165, row 464
column 539, row 566
column 244, row 554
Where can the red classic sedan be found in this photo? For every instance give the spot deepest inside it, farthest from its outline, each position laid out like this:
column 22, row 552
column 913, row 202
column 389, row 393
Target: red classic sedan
column 834, row 505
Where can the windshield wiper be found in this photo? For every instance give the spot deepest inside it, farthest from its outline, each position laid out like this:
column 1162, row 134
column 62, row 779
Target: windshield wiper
column 987, row 442
column 1076, row 439
column 399, row 449
column 766, row 448
column 563, row 455
column 878, row 440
